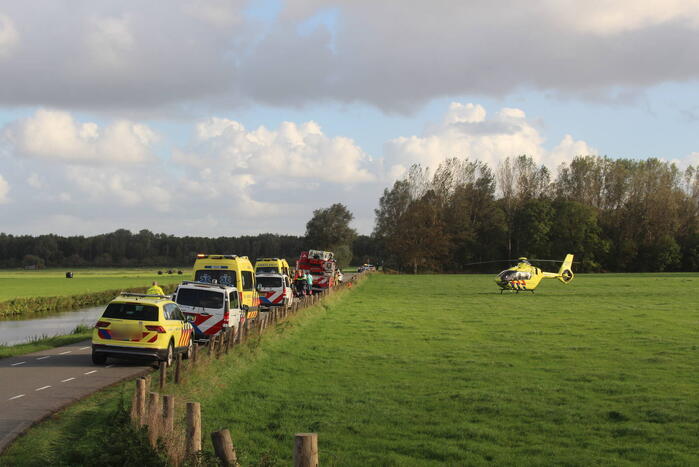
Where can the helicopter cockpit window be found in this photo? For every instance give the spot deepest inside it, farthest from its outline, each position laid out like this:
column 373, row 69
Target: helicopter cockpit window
column 509, row 275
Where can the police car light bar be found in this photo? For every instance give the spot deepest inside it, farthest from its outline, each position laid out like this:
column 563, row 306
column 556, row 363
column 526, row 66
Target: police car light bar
column 133, row 294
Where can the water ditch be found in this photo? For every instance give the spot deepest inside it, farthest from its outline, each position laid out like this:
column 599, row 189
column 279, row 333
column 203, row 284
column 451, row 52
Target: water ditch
column 24, row 328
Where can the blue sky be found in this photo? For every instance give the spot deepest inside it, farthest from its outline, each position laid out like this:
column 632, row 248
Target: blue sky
column 231, row 117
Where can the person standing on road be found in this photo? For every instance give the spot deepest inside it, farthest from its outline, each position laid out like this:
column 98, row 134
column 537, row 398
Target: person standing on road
column 309, row 282
column 155, row 289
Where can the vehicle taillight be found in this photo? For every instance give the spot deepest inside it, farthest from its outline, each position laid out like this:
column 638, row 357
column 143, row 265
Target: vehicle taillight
column 158, row 329
column 225, row 317
column 102, row 324
column 240, row 298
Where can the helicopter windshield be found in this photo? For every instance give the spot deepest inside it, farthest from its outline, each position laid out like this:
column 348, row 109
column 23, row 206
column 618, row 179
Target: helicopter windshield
column 508, row 275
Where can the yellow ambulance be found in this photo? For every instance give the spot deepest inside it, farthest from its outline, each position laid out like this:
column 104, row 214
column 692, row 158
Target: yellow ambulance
column 232, row 270
column 272, row 266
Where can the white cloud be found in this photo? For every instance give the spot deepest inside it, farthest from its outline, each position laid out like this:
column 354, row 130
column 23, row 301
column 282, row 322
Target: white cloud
column 295, row 151
column 8, row 36
column 606, row 17
column 4, row 190
column 467, row 132
column 52, row 134
column 110, row 41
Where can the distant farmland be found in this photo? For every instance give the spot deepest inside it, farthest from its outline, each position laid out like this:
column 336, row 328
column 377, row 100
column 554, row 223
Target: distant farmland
column 443, row 370
column 53, row 283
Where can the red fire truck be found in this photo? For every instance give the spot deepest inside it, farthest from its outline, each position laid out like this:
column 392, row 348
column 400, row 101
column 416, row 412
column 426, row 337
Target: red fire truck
column 321, row 265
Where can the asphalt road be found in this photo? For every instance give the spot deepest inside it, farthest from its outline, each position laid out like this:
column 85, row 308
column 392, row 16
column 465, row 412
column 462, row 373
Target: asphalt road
column 35, row 385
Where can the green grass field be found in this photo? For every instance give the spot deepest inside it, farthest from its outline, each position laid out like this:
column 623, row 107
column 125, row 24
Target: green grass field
column 52, row 282
column 443, row 370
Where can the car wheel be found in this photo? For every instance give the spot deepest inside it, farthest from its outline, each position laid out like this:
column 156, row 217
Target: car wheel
column 99, row 358
column 190, row 349
column 170, row 354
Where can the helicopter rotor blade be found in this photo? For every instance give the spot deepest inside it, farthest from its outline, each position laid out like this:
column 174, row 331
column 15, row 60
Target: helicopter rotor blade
column 492, row 261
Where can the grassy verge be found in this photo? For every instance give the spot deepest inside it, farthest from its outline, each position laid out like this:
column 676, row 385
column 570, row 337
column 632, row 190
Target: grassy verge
column 80, row 333
column 443, row 370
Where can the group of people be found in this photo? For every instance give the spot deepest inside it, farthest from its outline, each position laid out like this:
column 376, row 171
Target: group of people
column 303, row 283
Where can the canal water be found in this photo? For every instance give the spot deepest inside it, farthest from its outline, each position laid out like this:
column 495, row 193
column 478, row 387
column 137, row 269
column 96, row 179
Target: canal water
column 25, row 328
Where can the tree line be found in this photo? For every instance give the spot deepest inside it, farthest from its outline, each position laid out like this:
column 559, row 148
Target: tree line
column 145, row 248
column 327, row 229
column 614, row 214
column 621, row 215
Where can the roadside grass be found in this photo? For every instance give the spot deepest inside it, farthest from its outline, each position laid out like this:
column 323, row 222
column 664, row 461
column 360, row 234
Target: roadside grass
column 53, row 283
column 80, row 333
column 443, row 370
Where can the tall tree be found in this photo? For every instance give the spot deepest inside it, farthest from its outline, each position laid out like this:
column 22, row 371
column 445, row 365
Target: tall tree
column 329, row 229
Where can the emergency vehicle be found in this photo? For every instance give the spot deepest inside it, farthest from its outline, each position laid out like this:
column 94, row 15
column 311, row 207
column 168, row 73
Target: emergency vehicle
column 274, row 290
column 321, row 265
column 232, row 270
column 211, row 308
column 141, row 326
column 272, row 265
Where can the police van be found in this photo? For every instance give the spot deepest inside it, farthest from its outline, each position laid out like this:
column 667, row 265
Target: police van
column 210, row 308
column 274, row 289
column 230, row 270
column 272, row 266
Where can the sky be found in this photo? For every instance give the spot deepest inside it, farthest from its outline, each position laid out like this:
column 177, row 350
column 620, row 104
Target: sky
column 225, row 118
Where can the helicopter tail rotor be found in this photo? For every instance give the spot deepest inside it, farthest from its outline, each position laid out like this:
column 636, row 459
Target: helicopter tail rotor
column 565, row 274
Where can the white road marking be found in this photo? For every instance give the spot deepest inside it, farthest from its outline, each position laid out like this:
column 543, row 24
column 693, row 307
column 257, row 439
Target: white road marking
column 18, row 363
column 42, row 388
column 63, row 353
column 16, row 397
column 66, row 380
column 90, row 372
column 83, row 348
column 45, row 356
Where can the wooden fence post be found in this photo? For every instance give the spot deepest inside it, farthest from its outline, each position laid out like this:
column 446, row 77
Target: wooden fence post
column 193, row 428
column 306, row 450
column 168, row 414
column 178, row 369
column 140, row 402
column 194, row 353
column 163, row 376
column 223, row 446
column 154, row 411
column 212, row 343
column 229, row 338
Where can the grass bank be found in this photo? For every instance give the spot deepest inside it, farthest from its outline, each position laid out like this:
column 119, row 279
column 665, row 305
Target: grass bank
column 49, row 291
column 443, row 370
column 80, row 333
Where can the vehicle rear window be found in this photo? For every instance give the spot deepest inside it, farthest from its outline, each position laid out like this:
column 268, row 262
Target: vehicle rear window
column 221, row 276
column 135, row 311
column 200, row 298
column 270, row 281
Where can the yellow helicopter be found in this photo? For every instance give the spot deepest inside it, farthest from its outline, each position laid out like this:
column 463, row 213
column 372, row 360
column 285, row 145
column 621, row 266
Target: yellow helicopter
column 525, row 277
